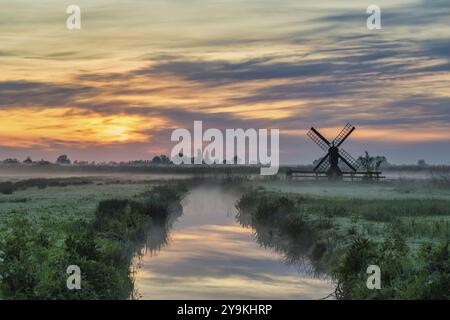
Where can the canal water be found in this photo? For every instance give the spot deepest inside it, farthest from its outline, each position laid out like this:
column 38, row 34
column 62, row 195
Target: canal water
column 208, row 254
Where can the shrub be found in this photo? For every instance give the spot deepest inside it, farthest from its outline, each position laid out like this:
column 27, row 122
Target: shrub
column 270, row 208
column 6, row 187
column 424, row 275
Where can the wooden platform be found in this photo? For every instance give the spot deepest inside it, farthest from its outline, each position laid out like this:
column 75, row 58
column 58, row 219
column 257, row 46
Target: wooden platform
column 375, row 176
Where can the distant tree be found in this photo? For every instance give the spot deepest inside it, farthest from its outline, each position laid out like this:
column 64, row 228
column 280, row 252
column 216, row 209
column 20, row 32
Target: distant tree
column 366, row 162
column 421, row 163
column 370, row 163
column 10, row 161
column 156, row 160
column 165, row 159
column 63, row 160
column 161, row 159
column 382, row 161
column 28, row 161
column 43, row 162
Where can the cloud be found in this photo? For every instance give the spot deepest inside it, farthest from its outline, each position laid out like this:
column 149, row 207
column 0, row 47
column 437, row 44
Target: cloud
column 30, row 93
column 410, row 14
column 439, row 47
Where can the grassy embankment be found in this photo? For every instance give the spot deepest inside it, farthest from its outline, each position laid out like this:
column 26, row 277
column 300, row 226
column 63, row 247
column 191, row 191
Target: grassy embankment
column 37, row 248
column 407, row 238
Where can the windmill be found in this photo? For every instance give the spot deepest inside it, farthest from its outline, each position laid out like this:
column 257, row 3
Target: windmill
column 334, row 152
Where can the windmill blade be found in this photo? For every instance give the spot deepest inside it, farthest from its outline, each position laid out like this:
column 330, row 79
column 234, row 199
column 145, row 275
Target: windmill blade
column 322, row 164
column 319, row 139
column 324, row 167
column 343, row 135
column 347, row 163
column 351, row 162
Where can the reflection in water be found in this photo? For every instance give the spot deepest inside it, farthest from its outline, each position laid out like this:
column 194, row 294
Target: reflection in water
column 158, row 237
column 291, row 247
column 208, row 255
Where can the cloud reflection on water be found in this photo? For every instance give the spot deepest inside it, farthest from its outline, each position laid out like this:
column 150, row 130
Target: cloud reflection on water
column 221, row 260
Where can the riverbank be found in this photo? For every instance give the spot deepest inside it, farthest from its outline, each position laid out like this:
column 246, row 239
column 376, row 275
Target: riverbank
column 342, row 236
column 35, row 256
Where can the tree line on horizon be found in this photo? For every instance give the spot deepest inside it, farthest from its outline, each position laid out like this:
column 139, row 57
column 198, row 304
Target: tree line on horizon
column 368, row 162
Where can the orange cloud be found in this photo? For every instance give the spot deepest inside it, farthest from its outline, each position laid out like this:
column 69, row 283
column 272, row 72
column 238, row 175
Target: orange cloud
column 26, row 127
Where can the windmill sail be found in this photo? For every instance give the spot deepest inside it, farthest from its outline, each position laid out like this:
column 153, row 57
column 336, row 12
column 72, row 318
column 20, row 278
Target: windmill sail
column 348, row 129
column 349, row 160
column 323, row 167
column 318, row 139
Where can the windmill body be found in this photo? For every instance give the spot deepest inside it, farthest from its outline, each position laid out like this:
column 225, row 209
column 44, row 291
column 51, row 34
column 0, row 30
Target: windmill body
column 333, row 159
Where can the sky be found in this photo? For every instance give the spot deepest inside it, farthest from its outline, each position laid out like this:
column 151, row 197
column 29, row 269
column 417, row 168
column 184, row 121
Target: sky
column 138, row 69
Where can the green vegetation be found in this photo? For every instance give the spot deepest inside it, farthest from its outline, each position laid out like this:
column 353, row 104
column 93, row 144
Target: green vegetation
column 417, row 275
column 34, row 257
column 408, row 239
column 9, row 187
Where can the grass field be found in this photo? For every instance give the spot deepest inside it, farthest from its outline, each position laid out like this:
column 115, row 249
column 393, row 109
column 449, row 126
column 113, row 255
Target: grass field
column 63, row 204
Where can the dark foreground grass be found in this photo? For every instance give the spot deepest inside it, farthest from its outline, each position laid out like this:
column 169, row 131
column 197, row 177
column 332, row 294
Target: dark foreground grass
column 408, row 240
column 34, row 260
